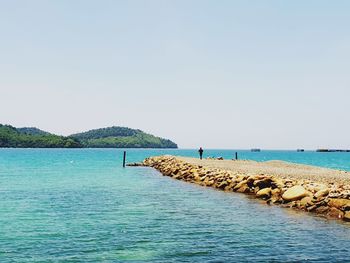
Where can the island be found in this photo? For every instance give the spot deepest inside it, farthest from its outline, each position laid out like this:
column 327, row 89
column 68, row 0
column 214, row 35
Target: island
column 121, row 137
column 111, row 137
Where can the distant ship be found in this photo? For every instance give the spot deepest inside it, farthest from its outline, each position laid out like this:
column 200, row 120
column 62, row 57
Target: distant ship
column 300, row 150
column 255, row 150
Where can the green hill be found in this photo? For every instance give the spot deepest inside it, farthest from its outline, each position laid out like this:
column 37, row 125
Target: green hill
column 112, row 137
column 121, row 137
column 33, row 138
column 32, row 131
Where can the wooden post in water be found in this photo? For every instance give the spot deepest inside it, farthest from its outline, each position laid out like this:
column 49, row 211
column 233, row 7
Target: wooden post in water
column 124, row 158
column 236, row 156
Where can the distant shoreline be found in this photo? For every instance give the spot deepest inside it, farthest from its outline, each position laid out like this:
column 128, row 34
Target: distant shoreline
column 110, row 137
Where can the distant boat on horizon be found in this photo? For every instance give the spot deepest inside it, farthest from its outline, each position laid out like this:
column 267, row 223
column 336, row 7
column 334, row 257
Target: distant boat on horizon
column 300, row 150
column 255, row 150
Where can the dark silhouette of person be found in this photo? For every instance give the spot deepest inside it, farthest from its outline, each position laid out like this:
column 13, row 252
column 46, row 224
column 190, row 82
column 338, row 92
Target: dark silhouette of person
column 200, row 153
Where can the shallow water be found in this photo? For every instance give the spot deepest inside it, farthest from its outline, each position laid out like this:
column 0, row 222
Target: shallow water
column 60, row 205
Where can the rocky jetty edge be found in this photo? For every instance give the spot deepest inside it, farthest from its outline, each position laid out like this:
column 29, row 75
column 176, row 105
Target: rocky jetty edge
column 329, row 199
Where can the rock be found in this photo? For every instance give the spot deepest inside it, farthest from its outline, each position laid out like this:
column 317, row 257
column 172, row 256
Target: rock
column 197, row 178
column 240, row 178
column 339, row 203
column 203, row 177
column 335, row 213
column 243, row 189
column 306, row 201
column 265, row 192
column 178, row 177
column 222, row 185
column 294, row 193
column 240, row 184
column 209, row 183
column 311, row 208
column 256, row 177
column 347, row 216
column 322, row 209
column 334, row 195
column 289, row 204
column 230, row 187
column 322, row 192
column 276, row 195
column 276, row 191
column 279, row 183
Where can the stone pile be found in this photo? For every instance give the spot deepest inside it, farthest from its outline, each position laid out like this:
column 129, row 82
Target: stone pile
column 332, row 200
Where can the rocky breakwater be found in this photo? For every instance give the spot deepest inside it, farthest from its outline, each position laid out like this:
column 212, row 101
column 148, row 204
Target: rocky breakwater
column 329, row 199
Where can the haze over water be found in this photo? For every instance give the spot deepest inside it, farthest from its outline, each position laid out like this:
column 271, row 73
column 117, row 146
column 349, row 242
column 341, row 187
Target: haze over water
column 79, row 205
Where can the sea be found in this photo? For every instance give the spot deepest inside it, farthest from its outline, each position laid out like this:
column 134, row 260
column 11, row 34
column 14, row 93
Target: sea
column 81, row 205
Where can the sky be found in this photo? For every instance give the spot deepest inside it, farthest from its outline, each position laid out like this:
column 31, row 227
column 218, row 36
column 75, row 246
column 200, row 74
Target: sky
column 217, row 74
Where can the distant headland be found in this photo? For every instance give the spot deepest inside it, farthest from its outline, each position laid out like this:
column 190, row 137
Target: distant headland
column 111, row 137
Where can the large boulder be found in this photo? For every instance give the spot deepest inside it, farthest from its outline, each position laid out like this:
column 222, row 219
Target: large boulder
column 294, row 193
column 339, row 203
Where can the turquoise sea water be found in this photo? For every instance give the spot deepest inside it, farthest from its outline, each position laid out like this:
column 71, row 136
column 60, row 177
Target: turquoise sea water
column 79, row 205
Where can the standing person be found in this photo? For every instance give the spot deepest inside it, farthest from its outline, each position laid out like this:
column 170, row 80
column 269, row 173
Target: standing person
column 200, row 153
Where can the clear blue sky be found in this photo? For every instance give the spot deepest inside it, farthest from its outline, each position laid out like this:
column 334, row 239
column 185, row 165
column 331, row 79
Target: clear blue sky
column 217, row 74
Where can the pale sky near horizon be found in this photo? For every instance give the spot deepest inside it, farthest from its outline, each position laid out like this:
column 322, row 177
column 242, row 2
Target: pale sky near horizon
column 217, row 74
